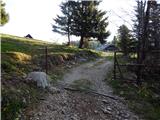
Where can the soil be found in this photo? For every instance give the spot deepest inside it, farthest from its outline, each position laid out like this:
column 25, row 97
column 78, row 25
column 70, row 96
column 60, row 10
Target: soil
column 80, row 105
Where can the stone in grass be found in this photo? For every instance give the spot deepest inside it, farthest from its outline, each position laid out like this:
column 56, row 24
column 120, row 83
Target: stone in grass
column 53, row 90
column 107, row 110
column 41, row 78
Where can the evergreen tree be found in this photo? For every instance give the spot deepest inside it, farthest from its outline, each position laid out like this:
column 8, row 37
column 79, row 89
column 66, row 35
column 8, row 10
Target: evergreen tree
column 154, row 26
column 114, row 41
column 63, row 23
column 147, row 26
column 147, row 33
column 139, row 26
column 125, row 39
column 139, row 21
column 4, row 16
column 90, row 22
column 85, row 21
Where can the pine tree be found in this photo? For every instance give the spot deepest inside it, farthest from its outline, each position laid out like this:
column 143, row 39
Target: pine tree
column 90, row 22
column 114, row 41
column 4, row 16
column 147, row 31
column 63, row 23
column 85, row 21
column 154, row 26
column 125, row 39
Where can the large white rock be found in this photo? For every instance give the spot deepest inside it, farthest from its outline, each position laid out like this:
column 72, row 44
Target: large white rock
column 41, row 78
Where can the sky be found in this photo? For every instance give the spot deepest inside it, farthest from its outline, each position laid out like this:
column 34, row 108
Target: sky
column 35, row 17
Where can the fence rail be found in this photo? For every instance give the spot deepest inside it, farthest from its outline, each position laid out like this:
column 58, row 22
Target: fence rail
column 118, row 66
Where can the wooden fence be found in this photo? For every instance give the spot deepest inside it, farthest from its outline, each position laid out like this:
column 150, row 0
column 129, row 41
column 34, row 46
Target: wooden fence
column 118, row 66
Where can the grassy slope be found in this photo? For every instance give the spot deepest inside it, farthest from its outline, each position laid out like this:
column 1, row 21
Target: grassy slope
column 18, row 56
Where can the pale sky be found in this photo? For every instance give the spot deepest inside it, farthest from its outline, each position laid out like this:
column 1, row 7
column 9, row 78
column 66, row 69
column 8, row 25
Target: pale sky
column 36, row 16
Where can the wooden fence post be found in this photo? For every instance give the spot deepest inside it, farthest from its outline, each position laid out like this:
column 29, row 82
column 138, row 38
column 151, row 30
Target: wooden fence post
column 114, row 71
column 46, row 59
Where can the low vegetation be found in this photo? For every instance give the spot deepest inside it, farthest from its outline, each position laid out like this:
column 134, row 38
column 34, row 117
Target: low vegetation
column 144, row 99
column 21, row 56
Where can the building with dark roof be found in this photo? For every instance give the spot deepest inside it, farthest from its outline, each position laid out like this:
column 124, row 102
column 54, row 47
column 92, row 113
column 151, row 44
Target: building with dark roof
column 28, row 36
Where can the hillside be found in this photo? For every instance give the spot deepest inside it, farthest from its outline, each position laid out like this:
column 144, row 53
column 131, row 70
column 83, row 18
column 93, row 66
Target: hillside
column 19, row 56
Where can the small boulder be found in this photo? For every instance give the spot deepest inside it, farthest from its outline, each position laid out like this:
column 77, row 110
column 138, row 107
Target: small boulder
column 53, row 90
column 107, row 110
column 41, row 78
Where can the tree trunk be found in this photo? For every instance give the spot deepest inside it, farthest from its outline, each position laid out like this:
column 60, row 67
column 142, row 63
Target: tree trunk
column 81, row 42
column 69, row 40
column 143, row 45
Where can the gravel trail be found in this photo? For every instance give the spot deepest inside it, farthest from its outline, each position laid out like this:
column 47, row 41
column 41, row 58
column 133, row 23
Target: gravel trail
column 77, row 105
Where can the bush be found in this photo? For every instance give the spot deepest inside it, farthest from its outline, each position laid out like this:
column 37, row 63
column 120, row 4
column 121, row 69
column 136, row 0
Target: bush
column 10, row 107
column 7, row 67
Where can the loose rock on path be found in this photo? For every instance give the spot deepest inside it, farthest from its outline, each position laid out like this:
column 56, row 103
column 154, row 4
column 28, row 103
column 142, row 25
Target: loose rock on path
column 78, row 105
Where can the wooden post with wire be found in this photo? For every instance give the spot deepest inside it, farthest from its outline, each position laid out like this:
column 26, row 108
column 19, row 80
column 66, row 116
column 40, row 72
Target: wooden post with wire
column 114, row 71
column 46, row 59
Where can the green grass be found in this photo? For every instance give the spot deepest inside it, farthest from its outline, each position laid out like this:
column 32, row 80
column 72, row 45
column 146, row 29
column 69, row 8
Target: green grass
column 110, row 55
column 15, row 49
column 13, row 43
column 17, row 97
column 19, row 57
column 19, row 44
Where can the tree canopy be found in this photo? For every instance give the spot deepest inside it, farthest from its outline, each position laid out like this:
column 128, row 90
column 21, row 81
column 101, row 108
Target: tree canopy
column 4, row 16
column 114, row 41
column 125, row 39
column 82, row 18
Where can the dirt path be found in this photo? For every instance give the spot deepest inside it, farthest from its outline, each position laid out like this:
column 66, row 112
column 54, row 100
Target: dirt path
column 69, row 105
column 94, row 72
